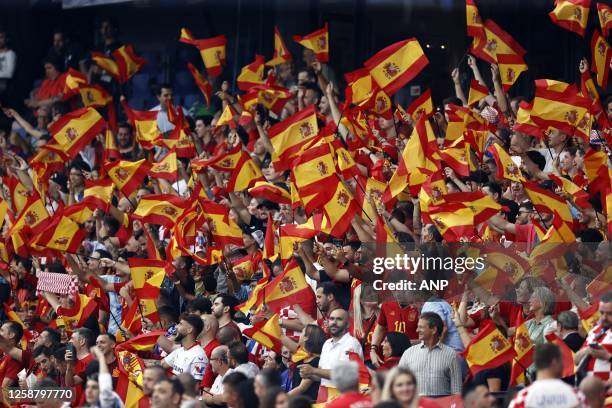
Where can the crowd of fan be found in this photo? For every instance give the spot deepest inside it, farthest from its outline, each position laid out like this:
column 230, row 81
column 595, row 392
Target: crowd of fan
column 412, row 345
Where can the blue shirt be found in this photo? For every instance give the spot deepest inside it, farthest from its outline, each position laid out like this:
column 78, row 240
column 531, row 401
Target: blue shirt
column 443, row 309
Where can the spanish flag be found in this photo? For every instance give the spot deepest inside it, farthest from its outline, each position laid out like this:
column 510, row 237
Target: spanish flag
column 560, row 106
column 590, row 316
column 567, row 355
column 340, row 209
column 359, row 86
column 49, row 159
column 572, row 15
column 14, row 317
column 227, row 117
column 524, row 123
column 601, row 54
column 79, row 212
column 579, row 196
column 144, row 124
column 290, row 135
column 289, row 288
column 245, row 174
column 212, row 51
column 147, row 276
column 596, row 169
column 456, row 157
column 314, row 172
column 162, row 209
column 488, row 349
column 98, row 193
column 509, row 262
column 108, row 64
column 129, row 383
column 128, row 62
column 496, row 42
column 604, row 12
column 94, row 96
column 506, row 168
column 510, row 67
column 375, row 189
column 270, row 248
column 225, row 160
column 201, row 82
column 378, row 103
column 292, row 234
column 270, row 191
column 73, row 80
column 179, row 141
column 244, row 267
column 34, row 217
column 318, row 42
column 601, row 283
column 396, row 65
column 251, row 74
column 62, row 234
column 75, row 130
column 111, row 152
column 127, row 175
column 267, row 333
column 76, row 316
column 454, row 221
column 524, row 348
column 482, row 206
column 421, row 105
column 474, row 21
column 223, row 229
column 477, row 93
column 142, row 342
column 167, row 167
column 281, row 52
column 548, row 202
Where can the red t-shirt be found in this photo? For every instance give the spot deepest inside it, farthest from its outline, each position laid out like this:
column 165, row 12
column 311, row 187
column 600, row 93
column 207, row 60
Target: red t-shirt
column 525, row 233
column 50, row 88
column 9, row 367
column 351, row 400
column 399, row 319
column 79, row 370
column 209, row 375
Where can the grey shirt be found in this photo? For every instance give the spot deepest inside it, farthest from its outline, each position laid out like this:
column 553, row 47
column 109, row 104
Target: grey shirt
column 437, row 370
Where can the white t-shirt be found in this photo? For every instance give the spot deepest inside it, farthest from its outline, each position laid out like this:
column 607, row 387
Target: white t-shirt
column 550, row 393
column 8, row 60
column 192, row 360
column 217, row 387
column 249, row 369
column 336, row 351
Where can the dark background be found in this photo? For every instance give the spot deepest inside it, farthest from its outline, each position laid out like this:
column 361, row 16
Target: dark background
column 358, row 29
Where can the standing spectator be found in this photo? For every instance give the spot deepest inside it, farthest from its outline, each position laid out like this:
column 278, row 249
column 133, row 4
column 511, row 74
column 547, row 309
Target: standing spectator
column 568, row 330
column 479, row 397
column 312, row 341
column 548, row 385
column 168, row 393
column 190, row 357
column 8, row 62
column 346, row 377
column 151, row 376
column 209, row 342
column 66, row 52
column 14, row 359
column 436, row 365
column 542, row 305
column 239, row 361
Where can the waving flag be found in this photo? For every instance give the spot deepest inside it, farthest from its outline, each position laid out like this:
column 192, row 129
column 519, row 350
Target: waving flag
column 98, row 194
column 601, row 55
column 270, row 191
column 477, row 93
column 212, row 51
column 131, row 375
column 604, row 12
column 201, row 82
column 421, row 105
column 488, row 349
column 290, row 135
column 127, row 175
column 142, row 342
column 340, row 209
column 396, row 65
column 289, row 288
column 524, row 348
column 167, row 167
column 267, row 333
column 246, row 173
column 162, row 209
column 359, row 86
column 545, row 201
column 223, row 229
column 281, row 52
column 144, row 124
column 496, row 42
column 227, row 117
column 314, row 172
column 475, row 27
column 510, row 67
column 454, row 221
column 292, row 234
column 76, row 316
column 251, row 74
column 75, row 130
column 62, row 234
column 318, row 42
column 128, row 62
column 108, row 64
column 147, row 276
column 572, row 15
column 506, row 167
column 73, row 80
column 567, row 355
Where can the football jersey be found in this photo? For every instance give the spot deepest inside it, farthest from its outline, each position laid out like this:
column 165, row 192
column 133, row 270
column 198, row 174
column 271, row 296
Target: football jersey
column 192, row 360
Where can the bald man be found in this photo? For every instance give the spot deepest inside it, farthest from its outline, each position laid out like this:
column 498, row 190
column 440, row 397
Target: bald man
column 335, row 349
column 209, row 342
column 594, row 390
column 220, row 365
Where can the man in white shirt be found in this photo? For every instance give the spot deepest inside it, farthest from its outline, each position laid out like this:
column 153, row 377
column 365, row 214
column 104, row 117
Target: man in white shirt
column 164, row 95
column 219, row 361
column 548, row 390
column 334, row 350
column 190, row 357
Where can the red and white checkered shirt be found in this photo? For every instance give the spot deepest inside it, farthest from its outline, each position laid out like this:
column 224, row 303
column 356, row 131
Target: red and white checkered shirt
column 600, row 368
column 549, row 393
column 288, row 314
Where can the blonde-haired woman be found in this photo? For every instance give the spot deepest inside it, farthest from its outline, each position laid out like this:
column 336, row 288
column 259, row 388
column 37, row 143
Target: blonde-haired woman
column 400, row 385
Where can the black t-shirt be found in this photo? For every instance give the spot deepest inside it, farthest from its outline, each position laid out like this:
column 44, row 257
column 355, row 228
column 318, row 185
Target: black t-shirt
column 313, row 390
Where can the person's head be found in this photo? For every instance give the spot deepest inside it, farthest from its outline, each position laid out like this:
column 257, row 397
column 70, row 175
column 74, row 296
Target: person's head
column 52, row 69
column 478, row 396
column 238, row 390
column 11, row 331
column 188, row 328
column 164, row 95
column 219, row 359
column 238, row 354
column 548, row 359
column 525, row 213
column 106, row 343
column 200, row 306
column 594, row 390
column 92, row 390
column 182, row 265
column 557, row 138
column 327, row 296
column 542, row 300
column 59, row 40
column 190, row 385
column 605, row 310
column 429, row 233
column 210, row 326
column 107, row 28
column 312, row 339
column 48, row 337
column 394, row 344
column 125, row 136
column 265, row 380
column 429, row 327
column 167, row 393
column 83, row 339
column 272, row 360
column 151, row 376
column 306, row 76
column 167, row 315
column 3, row 39
column 519, row 143
column 223, row 306
column 400, row 385
column 526, row 287
column 568, row 321
column 43, row 357
column 312, row 94
column 275, row 397
column 345, row 375
column 493, row 190
column 76, row 176
column 338, row 323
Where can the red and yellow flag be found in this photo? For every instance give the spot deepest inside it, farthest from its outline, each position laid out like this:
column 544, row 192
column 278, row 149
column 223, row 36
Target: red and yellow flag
column 251, row 74
column 506, row 167
column 142, row 342
column 246, row 173
column 76, row 316
column 289, row 288
column 75, row 130
column 281, row 52
column 270, row 249
column 129, row 383
column 579, row 196
column 127, row 175
column 600, row 284
column 359, row 86
column 167, row 167
column 162, row 209
column 289, row 136
column 314, row 172
column 212, row 51
column 340, row 209
column 98, row 194
column 454, row 221
column 604, row 12
column 475, row 27
column 223, row 229
column 477, row 93
column 270, row 191
column 111, row 151
column 495, row 42
column 524, row 348
column 488, row 349
column 144, row 124
column 147, row 276
column 267, row 333
column 227, row 117
column 421, row 105
column 596, row 169
column 567, row 355
column 13, row 316
column 128, row 62
column 545, row 201
column 318, row 42
column 601, row 55
column 572, row 15
column 201, row 82
column 396, row 65
column 292, row 234
column 73, row 80
column 62, row 234
column 108, row 64
column 94, row 95
column 510, row 67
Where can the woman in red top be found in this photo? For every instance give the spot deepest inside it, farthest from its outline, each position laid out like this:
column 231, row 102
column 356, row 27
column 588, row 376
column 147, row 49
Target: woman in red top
column 393, row 346
column 51, row 88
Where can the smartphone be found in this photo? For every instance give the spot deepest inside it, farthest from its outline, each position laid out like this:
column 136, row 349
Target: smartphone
column 595, row 345
column 70, row 347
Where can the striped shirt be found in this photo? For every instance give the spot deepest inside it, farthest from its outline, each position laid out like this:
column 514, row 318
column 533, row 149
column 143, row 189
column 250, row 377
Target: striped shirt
column 437, row 370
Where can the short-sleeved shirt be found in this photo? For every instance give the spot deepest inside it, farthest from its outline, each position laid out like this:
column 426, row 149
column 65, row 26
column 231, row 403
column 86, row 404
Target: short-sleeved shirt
column 598, row 367
column 351, row 400
column 396, row 318
column 209, row 376
column 192, row 360
column 526, row 233
column 550, row 393
column 335, row 351
column 9, row 367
